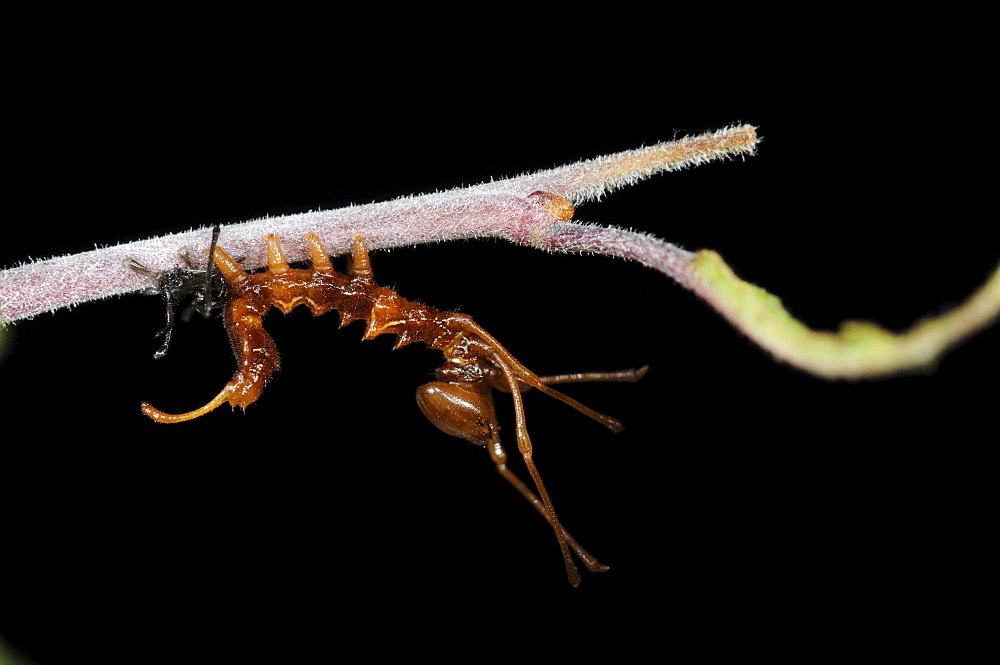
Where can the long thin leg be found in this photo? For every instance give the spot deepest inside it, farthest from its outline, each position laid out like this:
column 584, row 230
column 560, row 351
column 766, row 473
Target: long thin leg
column 620, row 376
column 499, row 456
column 524, row 445
column 207, row 302
column 525, row 376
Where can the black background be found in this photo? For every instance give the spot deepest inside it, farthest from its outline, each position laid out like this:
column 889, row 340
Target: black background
column 745, row 503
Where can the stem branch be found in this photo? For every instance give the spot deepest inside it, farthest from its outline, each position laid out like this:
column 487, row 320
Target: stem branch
column 533, row 210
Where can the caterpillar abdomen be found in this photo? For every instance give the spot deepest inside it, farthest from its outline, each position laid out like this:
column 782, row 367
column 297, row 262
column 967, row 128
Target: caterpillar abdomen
column 322, row 289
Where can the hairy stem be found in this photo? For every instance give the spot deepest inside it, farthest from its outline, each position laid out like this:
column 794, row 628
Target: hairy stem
column 533, row 210
column 503, row 209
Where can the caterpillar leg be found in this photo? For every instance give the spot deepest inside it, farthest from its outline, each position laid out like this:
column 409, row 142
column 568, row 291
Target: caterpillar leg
column 361, row 265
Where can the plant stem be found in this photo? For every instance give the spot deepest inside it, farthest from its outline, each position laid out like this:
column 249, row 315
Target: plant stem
column 534, row 210
column 503, row 209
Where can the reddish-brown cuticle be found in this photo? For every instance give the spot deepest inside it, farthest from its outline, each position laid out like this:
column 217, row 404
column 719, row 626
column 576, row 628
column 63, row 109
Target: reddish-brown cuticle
column 460, row 403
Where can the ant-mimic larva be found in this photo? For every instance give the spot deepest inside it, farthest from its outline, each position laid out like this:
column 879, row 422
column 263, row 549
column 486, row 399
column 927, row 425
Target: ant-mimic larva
column 459, row 402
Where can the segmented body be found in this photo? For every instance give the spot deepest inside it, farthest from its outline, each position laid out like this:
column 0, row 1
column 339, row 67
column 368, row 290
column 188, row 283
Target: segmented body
column 459, row 402
column 323, row 289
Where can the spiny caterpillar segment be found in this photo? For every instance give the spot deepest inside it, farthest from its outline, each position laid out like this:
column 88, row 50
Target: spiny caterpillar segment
column 459, row 403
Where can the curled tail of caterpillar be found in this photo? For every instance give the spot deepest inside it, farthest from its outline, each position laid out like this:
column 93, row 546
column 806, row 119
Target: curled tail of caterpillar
column 459, row 402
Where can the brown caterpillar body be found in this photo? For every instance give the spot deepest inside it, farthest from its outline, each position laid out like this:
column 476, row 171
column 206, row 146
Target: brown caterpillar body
column 459, row 402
